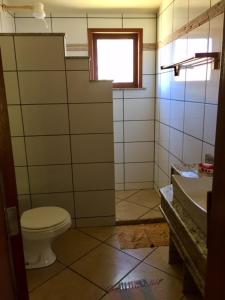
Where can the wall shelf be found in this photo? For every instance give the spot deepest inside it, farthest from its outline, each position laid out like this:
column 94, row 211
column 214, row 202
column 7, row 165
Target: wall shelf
column 198, row 60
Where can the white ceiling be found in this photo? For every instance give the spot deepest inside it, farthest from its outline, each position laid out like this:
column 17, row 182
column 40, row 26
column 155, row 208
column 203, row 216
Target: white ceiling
column 96, row 5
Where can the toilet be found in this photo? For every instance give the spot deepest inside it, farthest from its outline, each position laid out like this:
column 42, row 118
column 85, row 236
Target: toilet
column 40, row 226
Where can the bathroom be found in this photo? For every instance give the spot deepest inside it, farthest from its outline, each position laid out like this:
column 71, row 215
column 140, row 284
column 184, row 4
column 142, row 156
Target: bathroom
column 172, row 120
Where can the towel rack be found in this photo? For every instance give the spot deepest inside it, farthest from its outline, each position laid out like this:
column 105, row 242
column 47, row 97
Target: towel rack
column 198, row 60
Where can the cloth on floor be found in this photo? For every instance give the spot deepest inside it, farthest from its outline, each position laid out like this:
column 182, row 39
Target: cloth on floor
column 143, row 236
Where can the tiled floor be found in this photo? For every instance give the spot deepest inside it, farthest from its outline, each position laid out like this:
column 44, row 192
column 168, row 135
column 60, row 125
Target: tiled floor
column 90, row 262
column 136, row 205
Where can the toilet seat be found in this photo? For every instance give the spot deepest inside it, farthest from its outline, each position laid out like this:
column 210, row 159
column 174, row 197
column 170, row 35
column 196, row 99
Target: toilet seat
column 44, row 219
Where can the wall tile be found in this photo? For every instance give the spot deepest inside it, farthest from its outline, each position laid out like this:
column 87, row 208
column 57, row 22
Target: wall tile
column 75, row 29
column 196, row 84
column 176, row 142
column 24, row 203
column 207, row 149
column 41, row 150
column 50, row 179
column 118, row 152
column 167, row 21
column 139, row 109
column 192, row 150
column 93, row 176
column 148, row 25
column 164, row 116
column 22, row 180
column 177, row 114
column 139, row 152
column 95, row 203
column 117, row 109
column 50, row 52
column 91, row 118
column 43, row 87
column 32, row 25
column 164, row 133
column 92, row 148
column 86, row 91
column 11, row 88
column 45, row 119
column 165, row 79
column 163, row 179
column 139, row 131
column 197, row 8
column 117, row 93
column 180, row 14
column 138, row 172
column 77, row 63
column 149, row 62
column 8, row 53
column 210, row 122
column 198, row 39
column 193, row 119
column 178, row 85
column 164, row 160
column 104, row 23
column 15, row 120
column 64, row 200
column 8, row 24
column 118, row 132
column 147, row 91
column 19, row 154
column 119, row 173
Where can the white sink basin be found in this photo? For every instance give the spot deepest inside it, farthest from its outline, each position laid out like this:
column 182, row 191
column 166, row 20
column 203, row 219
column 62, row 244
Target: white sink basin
column 191, row 193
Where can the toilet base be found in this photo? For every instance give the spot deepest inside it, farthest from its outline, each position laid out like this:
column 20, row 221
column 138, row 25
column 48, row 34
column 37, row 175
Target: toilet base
column 38, row 254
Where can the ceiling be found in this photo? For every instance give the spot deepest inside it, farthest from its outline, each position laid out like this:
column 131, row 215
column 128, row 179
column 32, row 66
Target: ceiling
column 94, row 5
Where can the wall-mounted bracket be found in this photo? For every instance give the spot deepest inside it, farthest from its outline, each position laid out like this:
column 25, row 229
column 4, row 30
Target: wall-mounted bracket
column 198, row 60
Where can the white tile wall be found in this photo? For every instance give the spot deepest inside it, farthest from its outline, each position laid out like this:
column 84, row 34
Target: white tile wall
column 19, row 154
column 210, row 123
column 148, row 25
column 192, row 150
column 33, row 25
column 22, row 180
column 15, row 120
column 138, row 152
column 139, row 131
column 98, row 176
column 64, row 200
column 11, row 87
column 45, row 119
column 50, row 179
column 193, row 119
column 138, row 172
column 177, row 114
column 41, row 150
column 139, row 109
column 88, row 203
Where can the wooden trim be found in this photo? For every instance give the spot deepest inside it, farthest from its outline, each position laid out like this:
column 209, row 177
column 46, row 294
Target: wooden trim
column 84, row 47
column 136, row 34
column 205, row 17
column 215, row 288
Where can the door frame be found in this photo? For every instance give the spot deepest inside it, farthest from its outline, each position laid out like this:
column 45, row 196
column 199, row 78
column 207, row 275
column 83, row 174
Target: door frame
column 215, row 279
column 16, row 276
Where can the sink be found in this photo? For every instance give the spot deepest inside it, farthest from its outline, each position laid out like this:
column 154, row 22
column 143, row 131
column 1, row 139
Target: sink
column 191, row 194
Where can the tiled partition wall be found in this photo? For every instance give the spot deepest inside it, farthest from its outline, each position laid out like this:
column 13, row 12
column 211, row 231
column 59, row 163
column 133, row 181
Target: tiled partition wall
column 133, row 109
column 7, row 23
column 61, row 127
column 186, row 106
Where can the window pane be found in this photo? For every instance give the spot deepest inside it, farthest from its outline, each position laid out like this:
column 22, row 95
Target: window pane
column 115, row 60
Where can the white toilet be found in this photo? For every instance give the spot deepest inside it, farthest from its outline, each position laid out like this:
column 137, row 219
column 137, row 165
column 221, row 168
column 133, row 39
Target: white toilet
column 40, row 226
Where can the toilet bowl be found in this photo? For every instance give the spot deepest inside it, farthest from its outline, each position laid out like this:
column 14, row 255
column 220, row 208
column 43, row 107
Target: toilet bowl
column 40, row 226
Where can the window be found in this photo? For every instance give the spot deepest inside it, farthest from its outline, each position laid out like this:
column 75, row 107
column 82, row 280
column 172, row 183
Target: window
column 116, row 54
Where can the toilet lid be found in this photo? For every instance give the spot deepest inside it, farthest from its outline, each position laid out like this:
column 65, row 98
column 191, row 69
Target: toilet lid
column 43, row 217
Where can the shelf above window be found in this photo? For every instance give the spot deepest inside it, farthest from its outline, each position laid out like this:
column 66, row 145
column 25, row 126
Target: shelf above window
column 198, row 60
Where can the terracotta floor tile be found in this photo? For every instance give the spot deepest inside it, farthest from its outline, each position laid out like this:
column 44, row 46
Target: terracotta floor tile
column 36, row 277
column 140, row 253
column 152, row 214
column 72, row 245
column 159, row 259
column 147, row 198
column 168, row 287
column 105, row 266
column 129, row 211
column 67, row 286
column 125, row 194
column 100, row 233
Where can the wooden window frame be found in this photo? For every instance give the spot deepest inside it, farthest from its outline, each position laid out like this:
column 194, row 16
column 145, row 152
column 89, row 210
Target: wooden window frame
column 136, row 34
